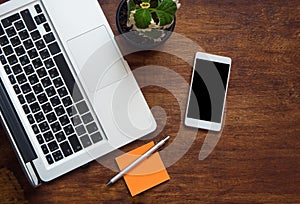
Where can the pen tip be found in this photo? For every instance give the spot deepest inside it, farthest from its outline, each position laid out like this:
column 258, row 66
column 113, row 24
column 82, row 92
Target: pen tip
column 109, row 183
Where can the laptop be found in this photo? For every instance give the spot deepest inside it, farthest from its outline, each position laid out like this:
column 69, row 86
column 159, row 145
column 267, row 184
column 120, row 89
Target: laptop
column 67, row 96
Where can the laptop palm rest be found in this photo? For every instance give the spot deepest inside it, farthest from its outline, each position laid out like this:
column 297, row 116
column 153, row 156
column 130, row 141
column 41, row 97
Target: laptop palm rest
column 97, row 58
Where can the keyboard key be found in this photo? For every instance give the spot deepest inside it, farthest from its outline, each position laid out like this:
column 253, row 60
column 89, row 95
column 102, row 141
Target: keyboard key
column 64, row 120
column 17, row 89
column 8, row 50
column 35, row 107
column 71, row 111
column 24, row 60
column 11, row 31
column 66, row 149
column 30, row 98
column 28, row 44
column 76, row 120
column 33, row 79
column 69, row 130
column 42, row 98
column 20, row 50
column 62, row 92
column 55, row 127
column 44, row 54
column 47, row 108
column 23, row 34
column 80, row 130
column 45, row 149
column 44, row 126
column 75, row 143
column 59, row 110
column 47, row 27
column 1, row 30
column 92, row 128
column 28, row 20
column 7, row 69
column 40, row 139
column 17, row 69
column 57, row 155
column 21, row 99
column 38, row 8
column 46, row 82
column 12, row 79
column 26, row 88
column 57, row 82
column 51, row 117
column 40, row 44
column 49, row 38
column 60, row 136
column 37, row 63
column 28, row 69
column 30, row 119
column 35, row 129
column 54, row 48
column 48, row 136
column 3, row 41
column 37, row 88
column 85, row 141
column 26, row 109
column 41, row 72
column 53, row 146
column 40, row 19
column 21, row 79
column 53, row 73
column 33, row 53
column 12, row 59
column 19, row 25
column 15, row 41
column 50, row 91
column 67, row 101
column 49, row 159
column 55, row 101
column 9, row 20
column 49, row 63
column 96, row 137
column 82, row 107
column 3, row 60
column 39, row 117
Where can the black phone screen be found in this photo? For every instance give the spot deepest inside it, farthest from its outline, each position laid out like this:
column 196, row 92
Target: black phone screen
column 208, row 90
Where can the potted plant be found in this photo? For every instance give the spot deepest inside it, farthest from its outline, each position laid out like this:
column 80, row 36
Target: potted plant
column 147, row 23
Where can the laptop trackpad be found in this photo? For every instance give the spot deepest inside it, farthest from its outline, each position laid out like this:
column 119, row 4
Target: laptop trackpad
column 98, row 59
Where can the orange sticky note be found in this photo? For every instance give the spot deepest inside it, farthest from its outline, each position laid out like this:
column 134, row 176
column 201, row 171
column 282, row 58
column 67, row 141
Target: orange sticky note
column 145, row 175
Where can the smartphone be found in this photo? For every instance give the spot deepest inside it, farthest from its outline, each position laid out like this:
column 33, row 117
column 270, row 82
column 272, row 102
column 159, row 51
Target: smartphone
column 208, row 90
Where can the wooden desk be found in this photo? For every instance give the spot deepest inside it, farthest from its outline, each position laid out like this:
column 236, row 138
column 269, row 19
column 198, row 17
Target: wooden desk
column 257, row 159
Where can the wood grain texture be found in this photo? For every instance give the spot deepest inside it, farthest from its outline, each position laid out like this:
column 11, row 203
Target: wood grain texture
column 257, row 159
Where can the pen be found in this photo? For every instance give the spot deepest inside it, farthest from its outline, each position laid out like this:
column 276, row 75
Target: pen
column 137, row 161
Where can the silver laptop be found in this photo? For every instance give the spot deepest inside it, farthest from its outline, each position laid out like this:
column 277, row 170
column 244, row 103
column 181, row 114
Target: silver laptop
column 67, row 95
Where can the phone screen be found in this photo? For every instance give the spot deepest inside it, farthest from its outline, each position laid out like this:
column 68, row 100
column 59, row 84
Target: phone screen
column 208, row 91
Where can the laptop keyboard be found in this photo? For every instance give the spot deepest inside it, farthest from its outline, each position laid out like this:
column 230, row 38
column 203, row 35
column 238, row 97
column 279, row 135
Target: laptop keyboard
column 41, row 78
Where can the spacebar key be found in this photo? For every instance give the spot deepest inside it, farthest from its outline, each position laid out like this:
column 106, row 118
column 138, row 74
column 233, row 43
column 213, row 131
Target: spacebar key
column 68, row 77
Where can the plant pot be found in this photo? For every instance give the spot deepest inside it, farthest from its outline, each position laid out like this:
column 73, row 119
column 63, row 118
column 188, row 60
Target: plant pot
column 133, row 37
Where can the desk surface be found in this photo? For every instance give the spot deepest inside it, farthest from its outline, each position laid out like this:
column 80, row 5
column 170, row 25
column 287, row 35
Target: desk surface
column 257, row 158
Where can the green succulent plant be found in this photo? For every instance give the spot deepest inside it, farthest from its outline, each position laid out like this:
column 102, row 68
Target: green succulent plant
column 146, row 15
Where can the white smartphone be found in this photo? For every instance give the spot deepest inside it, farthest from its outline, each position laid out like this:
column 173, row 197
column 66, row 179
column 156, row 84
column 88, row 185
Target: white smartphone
column 208, row 91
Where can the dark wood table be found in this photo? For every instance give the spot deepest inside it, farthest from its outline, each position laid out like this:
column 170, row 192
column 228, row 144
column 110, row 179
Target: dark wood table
column 257, row 157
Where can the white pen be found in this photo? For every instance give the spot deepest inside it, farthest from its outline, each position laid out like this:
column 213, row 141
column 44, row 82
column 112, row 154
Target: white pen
column 137, row 161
